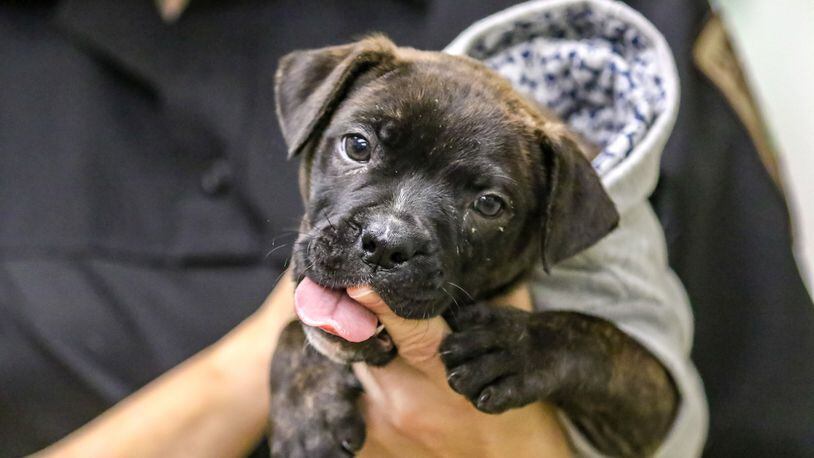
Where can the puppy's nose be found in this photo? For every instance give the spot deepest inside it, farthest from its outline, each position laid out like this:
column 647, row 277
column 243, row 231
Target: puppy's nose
column 387, row 242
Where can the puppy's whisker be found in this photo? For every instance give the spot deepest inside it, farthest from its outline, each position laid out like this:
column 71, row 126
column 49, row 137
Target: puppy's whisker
column 288, row 233
column 274, row 249
column 277, row 280
column 310, row 245
column 462, row 289
column 451, row 297
column 457, row 306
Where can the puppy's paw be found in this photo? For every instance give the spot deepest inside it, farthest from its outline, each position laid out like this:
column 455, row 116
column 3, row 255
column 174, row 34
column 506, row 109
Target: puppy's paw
column 313, row 406
column 327, row 431
column 491, row 358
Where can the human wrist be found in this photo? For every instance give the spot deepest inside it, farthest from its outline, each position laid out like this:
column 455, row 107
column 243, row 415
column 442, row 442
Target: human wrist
column 256, row 337
column 250, row 345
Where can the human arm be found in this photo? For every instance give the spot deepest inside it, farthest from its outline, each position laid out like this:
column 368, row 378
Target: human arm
column 213, row 404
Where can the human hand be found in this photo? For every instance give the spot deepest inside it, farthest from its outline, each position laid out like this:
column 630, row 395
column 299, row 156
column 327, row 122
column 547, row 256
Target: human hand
column 410, row 410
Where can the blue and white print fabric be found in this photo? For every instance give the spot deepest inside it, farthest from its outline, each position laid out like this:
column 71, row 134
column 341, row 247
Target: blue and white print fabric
column 597, row 73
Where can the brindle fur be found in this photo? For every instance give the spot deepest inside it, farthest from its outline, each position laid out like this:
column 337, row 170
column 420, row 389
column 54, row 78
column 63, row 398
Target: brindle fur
column 444, row 128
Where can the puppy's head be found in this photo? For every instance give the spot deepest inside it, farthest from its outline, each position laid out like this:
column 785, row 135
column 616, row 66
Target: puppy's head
column 428, row 178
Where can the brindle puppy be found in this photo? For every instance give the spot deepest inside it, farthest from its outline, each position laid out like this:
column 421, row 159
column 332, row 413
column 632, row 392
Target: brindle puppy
column 427, row 177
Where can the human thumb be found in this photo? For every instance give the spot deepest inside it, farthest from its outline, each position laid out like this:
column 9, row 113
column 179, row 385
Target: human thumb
column 417, row 340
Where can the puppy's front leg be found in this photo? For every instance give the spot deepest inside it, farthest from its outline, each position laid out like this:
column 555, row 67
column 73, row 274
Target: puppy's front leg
column 313, row 402
column 612, row 389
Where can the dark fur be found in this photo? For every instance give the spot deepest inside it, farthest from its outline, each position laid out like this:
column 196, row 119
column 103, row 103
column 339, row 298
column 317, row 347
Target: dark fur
column 445, row 129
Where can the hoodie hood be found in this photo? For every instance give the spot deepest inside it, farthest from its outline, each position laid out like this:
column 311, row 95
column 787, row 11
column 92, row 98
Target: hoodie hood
column 598, row 65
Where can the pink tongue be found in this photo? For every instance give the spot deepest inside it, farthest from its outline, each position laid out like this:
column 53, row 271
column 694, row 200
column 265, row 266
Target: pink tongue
column 333, row 311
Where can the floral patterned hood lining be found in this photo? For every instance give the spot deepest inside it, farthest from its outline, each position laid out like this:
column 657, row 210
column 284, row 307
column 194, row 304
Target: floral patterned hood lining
column 600, row 73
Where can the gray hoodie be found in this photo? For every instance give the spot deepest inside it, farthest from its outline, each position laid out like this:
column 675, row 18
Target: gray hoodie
column 609, row 74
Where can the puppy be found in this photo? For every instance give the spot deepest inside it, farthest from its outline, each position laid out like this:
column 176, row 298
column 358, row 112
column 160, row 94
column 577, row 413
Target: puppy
column 427, row 177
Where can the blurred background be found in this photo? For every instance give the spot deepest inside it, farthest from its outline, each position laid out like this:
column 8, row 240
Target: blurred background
column 123, row 222
column 769, row 44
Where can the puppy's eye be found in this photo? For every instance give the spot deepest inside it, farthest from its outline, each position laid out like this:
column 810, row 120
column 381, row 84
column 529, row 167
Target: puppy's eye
column 489, row 205
column 356, row 147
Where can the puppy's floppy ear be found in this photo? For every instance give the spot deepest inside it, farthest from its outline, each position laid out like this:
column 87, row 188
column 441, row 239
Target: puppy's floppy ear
column 577, row 212
column 310, row 84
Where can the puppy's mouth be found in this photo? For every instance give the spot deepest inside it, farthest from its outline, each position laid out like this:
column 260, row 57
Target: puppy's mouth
column 336, row 313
